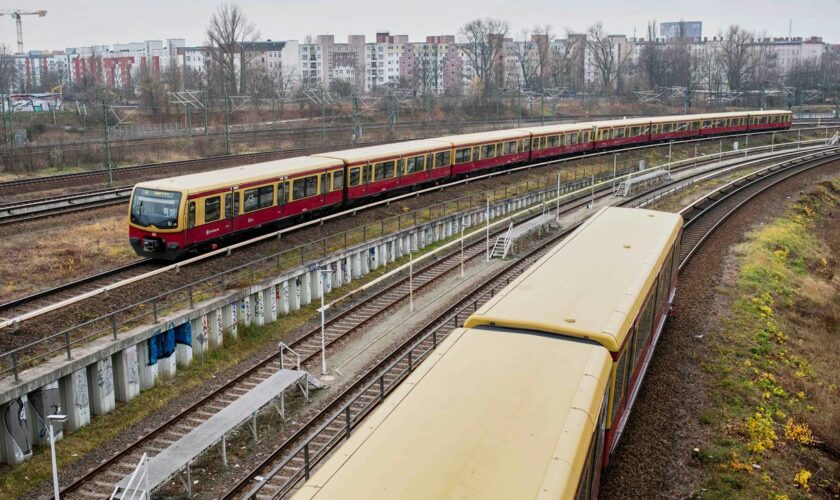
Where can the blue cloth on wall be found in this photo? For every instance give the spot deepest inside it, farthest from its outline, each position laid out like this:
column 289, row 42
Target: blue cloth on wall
column 183, row 334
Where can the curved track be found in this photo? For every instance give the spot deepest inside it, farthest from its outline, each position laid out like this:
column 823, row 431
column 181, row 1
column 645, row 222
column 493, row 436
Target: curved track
column 361, row 399
column 292, row 463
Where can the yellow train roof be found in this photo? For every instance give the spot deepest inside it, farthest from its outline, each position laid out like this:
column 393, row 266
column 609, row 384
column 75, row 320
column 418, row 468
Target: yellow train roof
column 559, row 128
column 490, row 136
column 489, row 414
column 246, row 174
column 386, row 150
column 592, row 284
column 771, row 112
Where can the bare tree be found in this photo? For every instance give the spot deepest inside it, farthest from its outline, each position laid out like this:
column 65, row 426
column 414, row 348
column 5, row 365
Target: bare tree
column 736, row 56
column 228, row 29
column 652, row 60
column 532, row 55
column 609, row 56
column 566, row 66
column 483, row 48
column 7, row 70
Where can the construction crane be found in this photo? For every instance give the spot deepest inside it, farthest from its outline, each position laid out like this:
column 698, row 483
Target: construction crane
column 16, row 14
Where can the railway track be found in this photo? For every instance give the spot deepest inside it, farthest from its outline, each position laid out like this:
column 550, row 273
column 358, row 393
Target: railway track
column 292, row 463
column 353, row 319
column 100, row 481
column 39, row 299
column 34, row 209
column 704, row 216
column 44, row 207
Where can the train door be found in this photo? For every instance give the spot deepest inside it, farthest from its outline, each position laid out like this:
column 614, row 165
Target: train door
column 324, row 184
column 232, row 209
column 367, row 178
column 282, row 195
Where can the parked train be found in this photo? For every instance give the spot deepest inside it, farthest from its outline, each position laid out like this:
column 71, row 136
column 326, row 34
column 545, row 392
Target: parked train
column 530, row 397
column 168, row 217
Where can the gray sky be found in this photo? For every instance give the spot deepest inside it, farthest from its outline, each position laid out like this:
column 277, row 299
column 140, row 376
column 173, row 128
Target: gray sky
column 71, row 23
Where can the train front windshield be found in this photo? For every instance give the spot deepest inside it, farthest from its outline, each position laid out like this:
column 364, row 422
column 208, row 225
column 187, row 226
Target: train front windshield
column 150, row 207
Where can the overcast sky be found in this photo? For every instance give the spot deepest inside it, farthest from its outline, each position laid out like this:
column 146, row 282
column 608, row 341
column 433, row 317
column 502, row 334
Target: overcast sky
column 71, row 23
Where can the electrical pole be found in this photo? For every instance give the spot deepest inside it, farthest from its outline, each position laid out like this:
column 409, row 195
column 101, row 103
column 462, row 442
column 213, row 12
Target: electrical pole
column 107, row 144
column 323, row 117
column 206, row 118
column 227, row 123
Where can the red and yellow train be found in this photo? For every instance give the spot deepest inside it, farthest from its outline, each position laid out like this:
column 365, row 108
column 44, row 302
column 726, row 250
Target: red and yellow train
column 168, row 217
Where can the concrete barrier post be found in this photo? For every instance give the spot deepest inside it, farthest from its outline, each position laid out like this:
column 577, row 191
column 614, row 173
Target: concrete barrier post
column 75, row 400
column 270, row 299
column 43, row 402
column 15, row 442
column 126, row 374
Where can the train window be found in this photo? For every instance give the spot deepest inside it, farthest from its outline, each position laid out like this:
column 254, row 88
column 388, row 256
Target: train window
column 258, row 198
column 251, row 201
column 384, row 170
column 695, row 125
column 488, row 151
column 634, row 131
column 606, row 135
column 668, row 127
column 401, row 166
column 525, row 145
column 707, row 123
column 212, row 208
column 354, row 176
column 368, row 174
column 305, row 187
column 644, row 325
column 338, row 180
column 475, row 151
column 415, row 164
column 584, row 491
column 620, row 382
column 324, row 185
column 682, row 126
column 553, row 141
column 281, row 192
column 585, row 137
column 535, row 143
column 510, row 148
column 573, row 138
column 442, row 159
column 462, row 155
column 266, row 196
column 228, row 206
column 618, row 133
column 191, row 215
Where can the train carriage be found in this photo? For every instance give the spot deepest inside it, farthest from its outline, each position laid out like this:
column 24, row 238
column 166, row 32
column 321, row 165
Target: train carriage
column 615, row 133
column 770, row 120
column 529, row 398
column 486, row 150
column 723, row 123
column 610, row 282
column 168, row 217
column 668, row 128
column 557, row 140
column 373, row 170
column 490, row 414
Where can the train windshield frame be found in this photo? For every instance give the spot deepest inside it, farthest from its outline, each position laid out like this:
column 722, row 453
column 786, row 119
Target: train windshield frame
column 153, row 207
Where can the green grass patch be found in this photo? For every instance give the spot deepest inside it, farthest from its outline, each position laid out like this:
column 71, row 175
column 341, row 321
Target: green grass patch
column 773, row 381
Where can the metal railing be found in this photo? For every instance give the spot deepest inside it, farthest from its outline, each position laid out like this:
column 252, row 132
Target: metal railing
column 150, row 311
column 132, row 488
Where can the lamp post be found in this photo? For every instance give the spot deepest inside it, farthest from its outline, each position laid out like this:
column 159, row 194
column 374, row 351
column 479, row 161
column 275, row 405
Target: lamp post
column 411, row 251
column 323, row 310
column 56, row 418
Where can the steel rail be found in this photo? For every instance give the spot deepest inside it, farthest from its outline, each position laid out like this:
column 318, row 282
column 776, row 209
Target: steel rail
column 344, row 403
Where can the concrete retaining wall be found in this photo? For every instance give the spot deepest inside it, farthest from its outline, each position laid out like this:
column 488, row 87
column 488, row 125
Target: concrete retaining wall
column 105, row 371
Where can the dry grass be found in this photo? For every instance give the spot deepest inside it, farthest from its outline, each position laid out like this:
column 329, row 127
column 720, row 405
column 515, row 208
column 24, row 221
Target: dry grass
column 775, row 382
column 48, row 255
